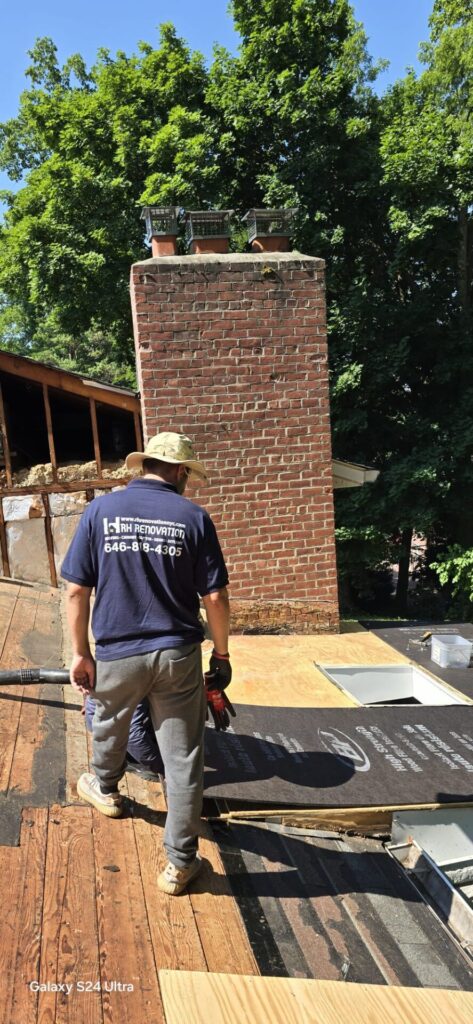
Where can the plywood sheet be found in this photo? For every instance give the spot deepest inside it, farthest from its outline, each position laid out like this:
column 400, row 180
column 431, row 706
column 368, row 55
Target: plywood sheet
column 280, row 671
column 198, row 998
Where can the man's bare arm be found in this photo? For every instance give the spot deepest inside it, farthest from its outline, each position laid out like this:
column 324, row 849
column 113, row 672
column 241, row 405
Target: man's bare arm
column 82, row 670
column 217, row 607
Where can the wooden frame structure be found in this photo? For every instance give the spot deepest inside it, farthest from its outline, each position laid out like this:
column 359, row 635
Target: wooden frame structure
column 79, row 386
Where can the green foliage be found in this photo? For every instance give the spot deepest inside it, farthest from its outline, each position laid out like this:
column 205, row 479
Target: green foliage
column 90, row 147
column 402, row 357
column 455, row 570
column 294, row 112
column 384, row 191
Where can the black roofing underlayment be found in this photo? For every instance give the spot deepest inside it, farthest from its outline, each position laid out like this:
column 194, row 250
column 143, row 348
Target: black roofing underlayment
column 399, row 637
column 49, row 761
column 342, row 757
column 336, row 909
column 49, row 766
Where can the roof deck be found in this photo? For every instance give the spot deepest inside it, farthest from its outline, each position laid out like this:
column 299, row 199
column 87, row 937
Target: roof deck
column 83, row 908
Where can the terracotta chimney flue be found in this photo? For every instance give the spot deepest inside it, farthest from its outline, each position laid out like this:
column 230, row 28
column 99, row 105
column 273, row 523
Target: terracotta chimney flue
column 161, row 229
column 164, row 245
column 269, row 230
column 207, row 231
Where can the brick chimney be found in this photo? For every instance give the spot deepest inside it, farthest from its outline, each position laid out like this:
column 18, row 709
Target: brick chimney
column 231, row 349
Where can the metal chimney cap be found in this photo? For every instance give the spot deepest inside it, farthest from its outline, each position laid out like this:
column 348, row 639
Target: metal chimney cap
column 160, row 220
column 269, row 213
column 207, row 223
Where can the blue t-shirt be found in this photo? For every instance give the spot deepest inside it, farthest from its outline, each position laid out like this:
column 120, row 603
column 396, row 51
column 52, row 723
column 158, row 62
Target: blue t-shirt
column 149, row 553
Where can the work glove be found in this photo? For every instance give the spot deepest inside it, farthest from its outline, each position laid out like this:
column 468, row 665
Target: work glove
column 220, row 671
column 219, row 706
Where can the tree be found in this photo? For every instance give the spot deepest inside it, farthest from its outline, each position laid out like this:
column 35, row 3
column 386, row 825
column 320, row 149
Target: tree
column 427, row 152
column 384, row 193
column 299, row 125
column 401, row 339
column 89, row 148
column 294, row 115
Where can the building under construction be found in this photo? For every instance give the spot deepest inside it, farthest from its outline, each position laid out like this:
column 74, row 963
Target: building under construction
column 337, row 828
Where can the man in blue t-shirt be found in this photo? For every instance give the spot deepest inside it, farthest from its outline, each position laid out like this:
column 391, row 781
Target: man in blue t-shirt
column 149, row 553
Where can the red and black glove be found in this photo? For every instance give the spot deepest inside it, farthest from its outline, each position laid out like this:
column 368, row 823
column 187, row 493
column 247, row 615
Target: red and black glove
column 216, row 679
column 220, row 671
column 219, row 706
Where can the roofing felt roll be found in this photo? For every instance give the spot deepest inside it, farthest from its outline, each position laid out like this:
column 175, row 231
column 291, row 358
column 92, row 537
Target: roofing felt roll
column 342, row 757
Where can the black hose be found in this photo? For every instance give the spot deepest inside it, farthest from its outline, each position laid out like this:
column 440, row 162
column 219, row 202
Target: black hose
column 23, row 676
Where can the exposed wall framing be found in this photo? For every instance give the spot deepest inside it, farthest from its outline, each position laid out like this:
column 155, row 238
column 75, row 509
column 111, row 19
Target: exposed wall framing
column 109, row 416
column 50, row 418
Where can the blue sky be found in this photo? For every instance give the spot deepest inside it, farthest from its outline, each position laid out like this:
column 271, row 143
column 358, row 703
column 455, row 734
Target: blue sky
column 394, row 30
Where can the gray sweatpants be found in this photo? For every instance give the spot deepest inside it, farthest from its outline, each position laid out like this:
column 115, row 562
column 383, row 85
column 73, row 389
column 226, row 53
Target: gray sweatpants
column 172, row 681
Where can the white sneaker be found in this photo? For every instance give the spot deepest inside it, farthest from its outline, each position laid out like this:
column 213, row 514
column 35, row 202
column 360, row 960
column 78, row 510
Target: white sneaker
column 174, row 880
column 88, row 787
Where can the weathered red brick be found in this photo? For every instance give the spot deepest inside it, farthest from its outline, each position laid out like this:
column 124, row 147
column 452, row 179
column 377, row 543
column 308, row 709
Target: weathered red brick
column 238, row 359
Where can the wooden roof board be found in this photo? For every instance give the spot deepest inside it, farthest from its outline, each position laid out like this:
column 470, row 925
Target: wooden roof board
column 32, row 764
column 333, row 908
column 66, row 380
column 203, row 929
column 198, row 998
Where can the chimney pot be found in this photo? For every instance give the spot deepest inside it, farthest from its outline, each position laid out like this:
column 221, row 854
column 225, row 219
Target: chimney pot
column 161, row 229
column 207, row 230
column 270, row 230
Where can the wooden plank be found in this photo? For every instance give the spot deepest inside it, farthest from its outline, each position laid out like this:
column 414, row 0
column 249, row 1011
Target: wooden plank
column 22, row 872
column 77, row 758
column 24, row 950
column 3, row 543
column 198, row 998
column 138, row 434
column 30, row 733
column 208, row 916
column 95, row 435
column 49, row 541
column 221, row 929
column 49, row 425
column 5, row 441
column 74, row 384
column 14, row 656
column 11, row 872
column 280, row 671
column 69, row 941
column 66, row 486
column 174, row 933
column 126, row 949
column 9, row 710
column 364, row 820
column 8, row 597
